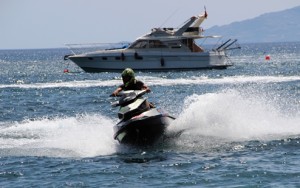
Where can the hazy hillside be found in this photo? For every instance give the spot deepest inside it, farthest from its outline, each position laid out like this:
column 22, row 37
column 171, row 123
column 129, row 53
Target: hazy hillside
column 281, row 26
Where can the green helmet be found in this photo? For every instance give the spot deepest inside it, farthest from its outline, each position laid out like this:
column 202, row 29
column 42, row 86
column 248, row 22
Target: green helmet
column 128, row 72
column 128, row 76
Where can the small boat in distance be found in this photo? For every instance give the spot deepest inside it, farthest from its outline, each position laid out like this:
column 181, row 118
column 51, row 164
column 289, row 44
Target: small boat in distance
column 160, row 50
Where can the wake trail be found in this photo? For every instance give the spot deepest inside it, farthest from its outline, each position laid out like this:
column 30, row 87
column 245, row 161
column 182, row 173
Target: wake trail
column 153, row 81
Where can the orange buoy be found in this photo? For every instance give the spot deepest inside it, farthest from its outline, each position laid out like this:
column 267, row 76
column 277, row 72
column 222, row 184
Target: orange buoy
column 268, row 57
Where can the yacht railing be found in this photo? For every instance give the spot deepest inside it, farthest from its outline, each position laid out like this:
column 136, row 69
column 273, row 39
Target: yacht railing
column 91, row 47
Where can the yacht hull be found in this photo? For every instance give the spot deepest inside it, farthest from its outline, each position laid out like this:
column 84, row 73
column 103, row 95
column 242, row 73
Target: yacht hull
column 150, row 62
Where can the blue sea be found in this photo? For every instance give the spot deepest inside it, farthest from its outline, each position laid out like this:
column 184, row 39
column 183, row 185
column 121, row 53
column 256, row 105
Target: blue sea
column 241, row 125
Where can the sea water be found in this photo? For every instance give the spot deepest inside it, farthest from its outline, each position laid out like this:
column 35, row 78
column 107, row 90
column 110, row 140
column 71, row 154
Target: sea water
column 241, row 126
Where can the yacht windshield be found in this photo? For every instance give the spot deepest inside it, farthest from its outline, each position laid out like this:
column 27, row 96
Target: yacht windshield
column 139, row 44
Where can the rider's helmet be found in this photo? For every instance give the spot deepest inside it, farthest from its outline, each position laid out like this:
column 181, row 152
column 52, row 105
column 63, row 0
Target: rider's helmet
column 128, row 76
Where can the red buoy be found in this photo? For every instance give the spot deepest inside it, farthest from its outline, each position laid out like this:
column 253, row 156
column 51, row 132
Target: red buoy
column 268, row 57
column 66, row 70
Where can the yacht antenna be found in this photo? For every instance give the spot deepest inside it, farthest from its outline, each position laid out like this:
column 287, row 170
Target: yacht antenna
column 174, row 12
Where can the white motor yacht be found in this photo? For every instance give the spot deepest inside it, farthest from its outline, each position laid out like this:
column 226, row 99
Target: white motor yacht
column 162, row 49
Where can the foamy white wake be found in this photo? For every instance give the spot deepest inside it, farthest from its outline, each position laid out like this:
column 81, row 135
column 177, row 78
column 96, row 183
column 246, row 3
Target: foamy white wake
column 233, row 116
column 84, row 136
column 158, row 81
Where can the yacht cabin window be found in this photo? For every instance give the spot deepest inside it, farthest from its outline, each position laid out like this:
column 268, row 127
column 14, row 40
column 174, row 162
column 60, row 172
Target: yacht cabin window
column 174, row 44
column 156, row 44
column 148, row 44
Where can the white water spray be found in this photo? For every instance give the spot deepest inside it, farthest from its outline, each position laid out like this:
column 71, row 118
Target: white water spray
column 84, row 136
column 234, row 116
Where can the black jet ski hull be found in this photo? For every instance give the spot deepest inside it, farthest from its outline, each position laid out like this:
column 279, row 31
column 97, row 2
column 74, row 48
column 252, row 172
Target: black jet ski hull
column 142, row 131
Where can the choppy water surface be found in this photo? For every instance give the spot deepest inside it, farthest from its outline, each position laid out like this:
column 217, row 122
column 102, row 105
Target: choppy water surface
column 241, row 124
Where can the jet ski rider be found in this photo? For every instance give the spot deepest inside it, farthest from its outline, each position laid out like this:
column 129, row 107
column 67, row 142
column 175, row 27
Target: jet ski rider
column 130, row 83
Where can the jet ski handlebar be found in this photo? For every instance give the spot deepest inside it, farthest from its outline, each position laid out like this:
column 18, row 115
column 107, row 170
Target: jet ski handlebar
column 128, row 96
column 138, row 93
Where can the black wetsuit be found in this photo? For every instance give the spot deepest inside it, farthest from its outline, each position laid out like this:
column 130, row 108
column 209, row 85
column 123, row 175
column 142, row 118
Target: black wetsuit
column 136, row 85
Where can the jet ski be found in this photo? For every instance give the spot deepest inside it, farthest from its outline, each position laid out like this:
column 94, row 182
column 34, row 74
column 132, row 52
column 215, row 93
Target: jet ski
column 140, row 122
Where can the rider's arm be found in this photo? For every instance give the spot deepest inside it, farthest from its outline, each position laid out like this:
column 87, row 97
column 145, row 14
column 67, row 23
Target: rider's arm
column 144, row 87
column 115, row 93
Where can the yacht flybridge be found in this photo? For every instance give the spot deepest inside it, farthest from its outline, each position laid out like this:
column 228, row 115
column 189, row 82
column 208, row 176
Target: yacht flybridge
column 160, row 50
